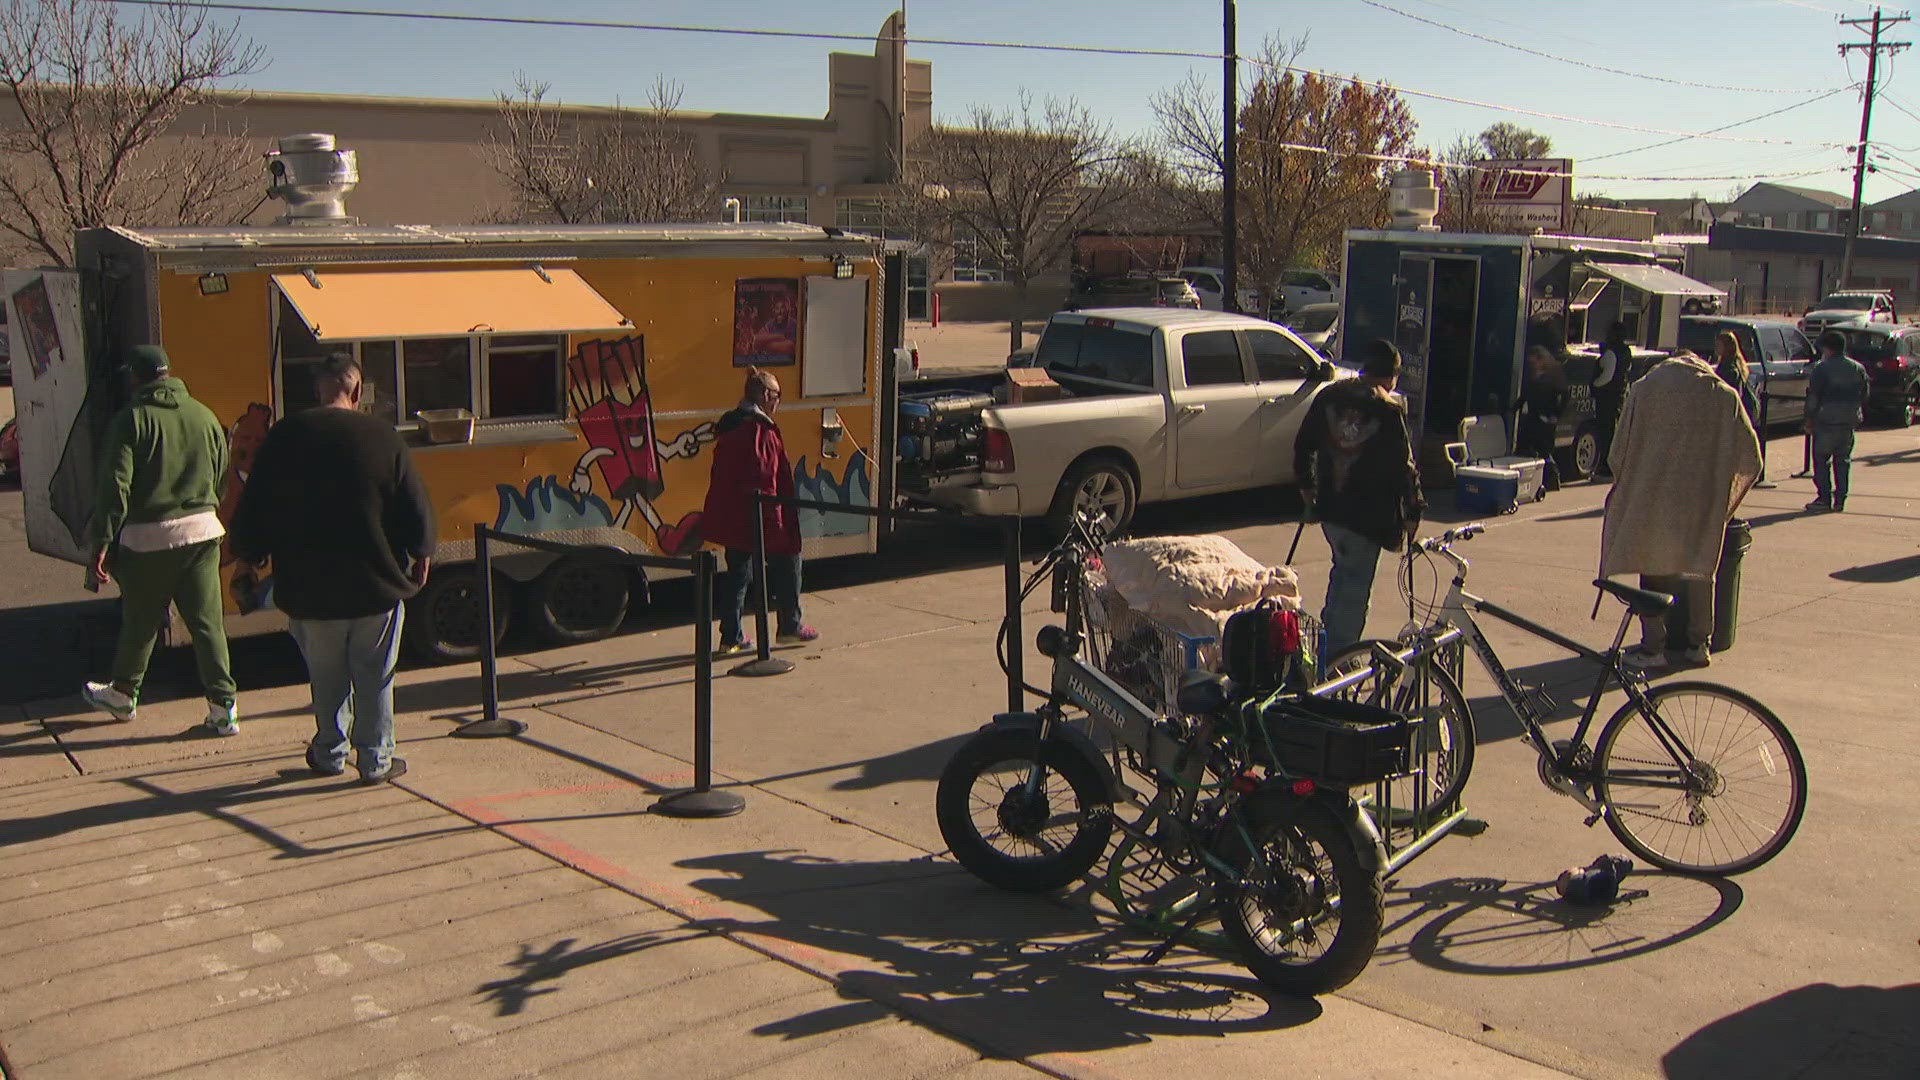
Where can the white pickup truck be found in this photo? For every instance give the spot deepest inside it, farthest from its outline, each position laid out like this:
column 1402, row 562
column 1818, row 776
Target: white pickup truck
column 1158, row 403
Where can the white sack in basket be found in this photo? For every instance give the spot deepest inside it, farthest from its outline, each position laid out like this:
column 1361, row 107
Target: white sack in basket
column 1192, row 583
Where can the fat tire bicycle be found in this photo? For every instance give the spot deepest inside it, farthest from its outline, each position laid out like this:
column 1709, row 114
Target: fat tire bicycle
column 1290, row 867
column 1690, row 775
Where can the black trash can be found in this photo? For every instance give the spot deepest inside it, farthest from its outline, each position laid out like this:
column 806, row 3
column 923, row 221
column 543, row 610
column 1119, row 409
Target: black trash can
column 1726, row 592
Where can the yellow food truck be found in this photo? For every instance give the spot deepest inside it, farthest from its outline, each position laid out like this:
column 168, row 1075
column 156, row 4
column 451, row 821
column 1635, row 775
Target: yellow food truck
column 555, row 381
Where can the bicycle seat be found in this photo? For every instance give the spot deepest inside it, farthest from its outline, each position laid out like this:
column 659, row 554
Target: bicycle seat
column 1203, row 693
column 1639, row 601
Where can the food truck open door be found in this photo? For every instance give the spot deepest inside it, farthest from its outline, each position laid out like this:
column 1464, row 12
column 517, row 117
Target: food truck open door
column 61, row 410
column 1413, row 331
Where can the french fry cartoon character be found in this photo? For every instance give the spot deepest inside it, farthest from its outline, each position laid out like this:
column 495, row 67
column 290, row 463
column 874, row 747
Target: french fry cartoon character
column 607, row 388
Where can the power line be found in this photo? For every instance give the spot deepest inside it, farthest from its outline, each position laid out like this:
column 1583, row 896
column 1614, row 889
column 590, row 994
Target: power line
column 1582, row 63
column 1616, row 125
column 510, row 20
column 595, row 24
column 1723, row 127
column 1465, row 167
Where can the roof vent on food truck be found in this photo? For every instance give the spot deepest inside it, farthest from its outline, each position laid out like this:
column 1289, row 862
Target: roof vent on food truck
column 1412, row 200
column 313, row 179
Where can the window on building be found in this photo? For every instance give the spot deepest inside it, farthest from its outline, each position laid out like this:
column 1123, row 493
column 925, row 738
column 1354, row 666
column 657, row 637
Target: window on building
column 494, row 377
column 1822, row 221
column 773, row 208
column 871, row 217
column 978, row 260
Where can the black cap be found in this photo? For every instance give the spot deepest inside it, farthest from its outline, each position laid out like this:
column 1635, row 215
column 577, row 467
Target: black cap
column 147, row 362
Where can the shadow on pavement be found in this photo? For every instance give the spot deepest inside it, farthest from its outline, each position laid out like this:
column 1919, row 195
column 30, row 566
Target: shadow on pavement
column 1018, row 975
column 1904, row 568
column 1486, row 926
column 511, row 995
column 1816, row 1032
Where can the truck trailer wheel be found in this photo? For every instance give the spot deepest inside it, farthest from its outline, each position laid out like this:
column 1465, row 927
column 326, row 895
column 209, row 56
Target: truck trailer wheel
column 1100, row 484
column 1577, row 462
column 578, row 599
column 445, row 624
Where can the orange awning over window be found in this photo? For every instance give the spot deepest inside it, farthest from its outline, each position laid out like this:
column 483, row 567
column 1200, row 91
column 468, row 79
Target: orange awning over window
column 355, row 305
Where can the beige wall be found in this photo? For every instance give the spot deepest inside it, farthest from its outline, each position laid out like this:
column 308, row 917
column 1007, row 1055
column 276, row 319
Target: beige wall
column 421, row 160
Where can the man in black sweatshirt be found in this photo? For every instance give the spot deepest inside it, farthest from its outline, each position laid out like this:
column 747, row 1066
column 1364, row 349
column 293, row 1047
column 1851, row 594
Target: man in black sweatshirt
column 1354, row 462
column 334, row 501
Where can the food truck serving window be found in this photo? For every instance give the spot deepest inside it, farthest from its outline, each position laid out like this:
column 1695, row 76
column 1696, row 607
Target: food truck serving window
column 493, row 376
column 489, row 341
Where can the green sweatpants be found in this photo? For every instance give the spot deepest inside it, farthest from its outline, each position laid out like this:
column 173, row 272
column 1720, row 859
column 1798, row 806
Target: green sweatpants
column 189, row 578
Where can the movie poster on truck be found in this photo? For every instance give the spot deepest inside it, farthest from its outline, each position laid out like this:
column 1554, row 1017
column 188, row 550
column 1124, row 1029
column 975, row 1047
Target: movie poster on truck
column 766, row 322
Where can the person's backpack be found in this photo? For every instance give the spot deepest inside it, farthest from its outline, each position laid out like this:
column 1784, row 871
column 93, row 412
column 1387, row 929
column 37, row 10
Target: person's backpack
column 1265, row 646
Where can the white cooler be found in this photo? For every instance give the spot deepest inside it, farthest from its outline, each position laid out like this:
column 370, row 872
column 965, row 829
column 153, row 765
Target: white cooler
column 1488, row 477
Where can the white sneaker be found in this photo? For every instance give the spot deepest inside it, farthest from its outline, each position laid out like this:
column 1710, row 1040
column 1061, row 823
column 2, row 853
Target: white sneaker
column 1644, row 659
column 104, row 697
column 1699, row 656
column 222, row 720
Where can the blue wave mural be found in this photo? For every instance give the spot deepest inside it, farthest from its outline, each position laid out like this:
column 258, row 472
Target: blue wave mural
column 547, row 505
column 855, row 489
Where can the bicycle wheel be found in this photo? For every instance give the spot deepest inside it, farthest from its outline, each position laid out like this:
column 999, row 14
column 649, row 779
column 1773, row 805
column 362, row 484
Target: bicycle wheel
column 1445, row 735
column 1729, row 804
column 1308, row 912
column 1016, row 839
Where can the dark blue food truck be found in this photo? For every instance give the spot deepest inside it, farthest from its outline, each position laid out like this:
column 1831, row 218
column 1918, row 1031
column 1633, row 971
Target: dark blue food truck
column 1464, row 308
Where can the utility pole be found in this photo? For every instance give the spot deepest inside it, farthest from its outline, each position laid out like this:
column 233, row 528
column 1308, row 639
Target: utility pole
column 1873, row 46
column 1229, row 164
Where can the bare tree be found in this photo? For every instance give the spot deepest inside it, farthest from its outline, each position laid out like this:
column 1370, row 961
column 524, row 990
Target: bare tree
column 1019, row 184
column 94, row 95
column 581, row 166
column 1313, row 158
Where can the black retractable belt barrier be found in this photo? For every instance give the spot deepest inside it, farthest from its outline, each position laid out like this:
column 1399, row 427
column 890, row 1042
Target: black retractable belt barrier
column 700, row 800
column 765, row 663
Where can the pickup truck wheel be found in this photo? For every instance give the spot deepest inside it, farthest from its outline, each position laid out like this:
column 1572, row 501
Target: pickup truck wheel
column 1101, row 485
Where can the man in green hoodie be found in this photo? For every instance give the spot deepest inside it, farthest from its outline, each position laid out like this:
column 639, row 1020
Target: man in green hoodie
column 156, row 531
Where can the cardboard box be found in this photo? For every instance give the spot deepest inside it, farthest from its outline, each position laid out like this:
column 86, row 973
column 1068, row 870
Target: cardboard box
column 1030, row 384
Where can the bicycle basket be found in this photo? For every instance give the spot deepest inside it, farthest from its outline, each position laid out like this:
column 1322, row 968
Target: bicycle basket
column 1333, row 742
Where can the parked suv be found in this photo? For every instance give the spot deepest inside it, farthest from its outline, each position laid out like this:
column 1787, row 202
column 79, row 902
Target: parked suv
column 1209, row 282
column 1132, row 291
column 1779, row 358
column 1852, row 306
column 1891, row 355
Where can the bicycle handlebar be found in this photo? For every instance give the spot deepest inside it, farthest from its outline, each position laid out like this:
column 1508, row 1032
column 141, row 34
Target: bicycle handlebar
column 1444, row 540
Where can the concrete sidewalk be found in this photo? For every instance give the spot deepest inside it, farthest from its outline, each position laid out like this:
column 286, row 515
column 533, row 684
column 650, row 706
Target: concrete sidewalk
column 203, row 908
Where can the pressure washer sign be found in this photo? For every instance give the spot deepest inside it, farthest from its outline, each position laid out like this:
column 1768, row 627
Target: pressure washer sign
column 1532, row 192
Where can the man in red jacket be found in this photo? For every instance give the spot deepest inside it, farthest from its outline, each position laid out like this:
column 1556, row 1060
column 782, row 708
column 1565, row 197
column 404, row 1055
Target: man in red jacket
column 750, row 458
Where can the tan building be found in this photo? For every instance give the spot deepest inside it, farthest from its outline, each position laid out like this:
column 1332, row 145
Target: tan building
column 422, row 160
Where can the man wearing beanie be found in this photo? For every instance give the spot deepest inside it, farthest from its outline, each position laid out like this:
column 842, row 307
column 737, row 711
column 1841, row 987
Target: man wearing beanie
column 157, row 533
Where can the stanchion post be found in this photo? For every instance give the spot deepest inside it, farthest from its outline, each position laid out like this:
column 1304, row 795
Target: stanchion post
column 1765, row 399
column 1016, row 636
column 490, row 725
column 701, row 800
column 763, row 662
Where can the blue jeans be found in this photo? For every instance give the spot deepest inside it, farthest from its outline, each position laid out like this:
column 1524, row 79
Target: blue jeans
column 783, row 589
column 1349, row 586
column 1832, row 461
column 350, row 663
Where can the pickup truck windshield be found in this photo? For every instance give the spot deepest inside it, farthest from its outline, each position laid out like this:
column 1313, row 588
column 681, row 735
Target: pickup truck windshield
column 1090, row 351
column 1845, row 301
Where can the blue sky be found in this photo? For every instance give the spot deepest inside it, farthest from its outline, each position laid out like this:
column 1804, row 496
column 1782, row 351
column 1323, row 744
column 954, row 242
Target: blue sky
column 1746, row 44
